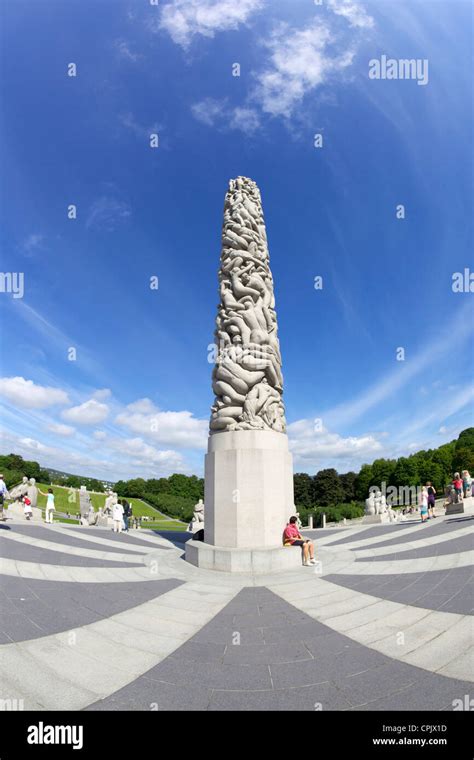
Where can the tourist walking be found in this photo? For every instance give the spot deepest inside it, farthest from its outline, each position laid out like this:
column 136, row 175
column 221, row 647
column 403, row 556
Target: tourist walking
column 3, row 495
column 117, row 516
column 292, row 537
column 50, row 508
column 431, row 499
column 457, row 483
column 466, row 483
column 127, row 513
column 424, row 504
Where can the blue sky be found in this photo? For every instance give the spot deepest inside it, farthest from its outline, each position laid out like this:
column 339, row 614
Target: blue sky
column 136, row 400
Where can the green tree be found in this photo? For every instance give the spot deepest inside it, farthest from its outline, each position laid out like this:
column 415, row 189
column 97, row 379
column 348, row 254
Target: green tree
column 327, row 488
column 303, row 486
column 348, row 482
column 363, row 482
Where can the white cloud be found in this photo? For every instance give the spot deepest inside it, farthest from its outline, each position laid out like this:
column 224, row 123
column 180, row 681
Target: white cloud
column 245, row 119
column 354, row 13
column 170, row 428
column 91, row 412
column 318, row 448
column 33, row 243
column 64, row 430
column 102, row 394
column 300, row 61
column 129, row 121
column 107, row 214
column 183, row 19
column 145, row 455
column 209, row 110
column 213, row 112
column 25, row 393
column 99, row 435
column 123, row 49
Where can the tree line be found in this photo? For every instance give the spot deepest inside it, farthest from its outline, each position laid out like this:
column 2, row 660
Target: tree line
column 343, row 494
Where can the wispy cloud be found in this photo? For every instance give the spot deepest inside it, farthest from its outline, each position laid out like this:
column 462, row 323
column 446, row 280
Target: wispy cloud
column 184, row 19
column 441, row 346
column 124, row 51
column 129, row 121
column 353, row 12
column 218, row 113
column 297, row 62
column 107, row 213
column 33, row 243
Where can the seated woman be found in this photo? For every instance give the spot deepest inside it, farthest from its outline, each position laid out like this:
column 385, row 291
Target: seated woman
column 292, row 537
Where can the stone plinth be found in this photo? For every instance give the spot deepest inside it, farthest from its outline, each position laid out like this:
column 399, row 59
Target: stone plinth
column 248, row 489
column 376, row 519
column 243, row 560
column 455, row 509
column 15, row 509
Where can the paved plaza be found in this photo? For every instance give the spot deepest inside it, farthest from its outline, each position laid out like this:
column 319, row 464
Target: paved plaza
column 91, row 620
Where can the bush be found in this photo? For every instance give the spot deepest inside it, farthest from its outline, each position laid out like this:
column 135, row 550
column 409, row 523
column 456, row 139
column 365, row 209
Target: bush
column 336, row 514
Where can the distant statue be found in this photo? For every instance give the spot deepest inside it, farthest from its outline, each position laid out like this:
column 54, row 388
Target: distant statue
column 20, row 491
column 109, row 503
column 370, row 504
column 32, row 492
column 196, row 526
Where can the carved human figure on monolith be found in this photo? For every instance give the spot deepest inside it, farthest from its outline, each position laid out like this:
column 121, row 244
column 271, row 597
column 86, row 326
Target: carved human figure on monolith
column 247, row 379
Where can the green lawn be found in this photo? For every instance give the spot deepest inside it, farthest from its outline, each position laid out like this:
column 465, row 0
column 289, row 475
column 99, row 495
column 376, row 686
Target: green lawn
column 67, row 500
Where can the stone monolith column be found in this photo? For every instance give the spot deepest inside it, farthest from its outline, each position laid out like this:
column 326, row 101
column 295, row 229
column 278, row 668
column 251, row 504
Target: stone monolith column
column 248, row 470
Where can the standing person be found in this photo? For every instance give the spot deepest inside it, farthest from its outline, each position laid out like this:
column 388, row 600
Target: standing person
column 292, row 537
column 431, row 499
column 457, row 483
column 127, row 513
column 50, row 506
column 3, row 495
column 117, row 515
column 424, row 504
column 466, row 483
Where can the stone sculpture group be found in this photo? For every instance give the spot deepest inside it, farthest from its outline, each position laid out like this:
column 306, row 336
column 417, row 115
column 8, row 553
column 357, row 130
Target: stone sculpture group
column 247, row 378
column 376, row 504
column 25, row 488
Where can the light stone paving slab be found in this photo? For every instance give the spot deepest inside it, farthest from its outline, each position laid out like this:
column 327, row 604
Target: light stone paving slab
column 72, row 550
column 400, row 549
column 428, row 625
column 60, row 672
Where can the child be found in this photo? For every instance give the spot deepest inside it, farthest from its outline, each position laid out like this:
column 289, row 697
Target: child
column 27, row 508
column 424, row 504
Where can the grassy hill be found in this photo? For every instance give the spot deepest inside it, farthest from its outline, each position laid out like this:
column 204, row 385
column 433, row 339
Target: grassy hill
column 67, row 500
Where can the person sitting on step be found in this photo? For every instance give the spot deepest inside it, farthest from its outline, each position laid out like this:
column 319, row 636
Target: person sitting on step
column 292, row 537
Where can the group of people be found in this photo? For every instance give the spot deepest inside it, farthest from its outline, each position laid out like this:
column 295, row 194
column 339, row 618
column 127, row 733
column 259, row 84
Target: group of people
column 427, row 502
column 460, row 488
column 462, row 484
column 122, row 513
